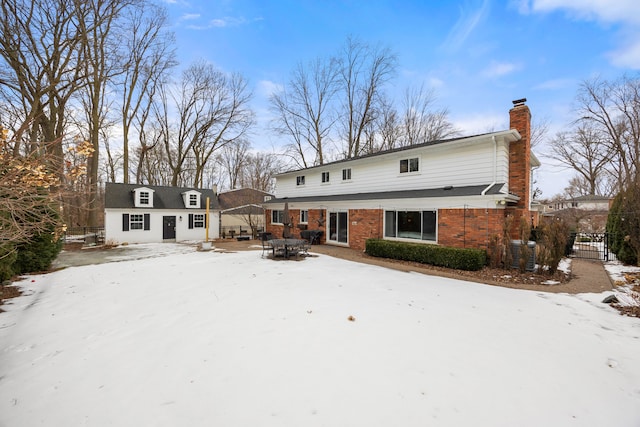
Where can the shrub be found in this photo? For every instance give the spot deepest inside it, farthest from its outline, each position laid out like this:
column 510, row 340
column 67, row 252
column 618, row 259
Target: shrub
column 38, row 254
column 552, row 242
column 622, row 225
column 457, row 258
column 8, row 256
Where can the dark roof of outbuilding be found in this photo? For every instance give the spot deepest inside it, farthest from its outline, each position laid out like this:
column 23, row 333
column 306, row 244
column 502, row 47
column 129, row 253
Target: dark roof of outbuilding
column 120, row 196
column 473, row 190
column 241, row 197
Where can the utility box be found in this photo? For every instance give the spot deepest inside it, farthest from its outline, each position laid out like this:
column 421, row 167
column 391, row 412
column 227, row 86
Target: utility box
column 515, row 252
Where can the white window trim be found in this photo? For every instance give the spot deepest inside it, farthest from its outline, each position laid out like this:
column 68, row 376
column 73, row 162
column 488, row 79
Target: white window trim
column 408, row 159
column 406, row 239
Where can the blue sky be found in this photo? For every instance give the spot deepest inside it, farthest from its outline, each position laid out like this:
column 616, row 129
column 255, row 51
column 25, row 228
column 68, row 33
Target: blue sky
column 478, row 55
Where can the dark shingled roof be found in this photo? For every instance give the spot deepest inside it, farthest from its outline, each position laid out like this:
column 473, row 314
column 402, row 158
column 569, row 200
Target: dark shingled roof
column 473, row 190
column 120, row 196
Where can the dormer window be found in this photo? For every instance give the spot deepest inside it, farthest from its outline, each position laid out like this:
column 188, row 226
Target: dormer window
column 143, row 197
column 191, row 199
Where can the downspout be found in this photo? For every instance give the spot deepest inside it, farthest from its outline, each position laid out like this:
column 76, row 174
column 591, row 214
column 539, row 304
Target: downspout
column 495, row 166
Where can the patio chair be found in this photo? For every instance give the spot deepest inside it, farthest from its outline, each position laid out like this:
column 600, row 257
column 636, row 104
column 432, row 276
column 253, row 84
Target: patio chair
column 266, row 245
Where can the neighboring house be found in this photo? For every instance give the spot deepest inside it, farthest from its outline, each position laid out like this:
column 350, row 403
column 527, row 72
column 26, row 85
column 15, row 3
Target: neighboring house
column 589, row 203
column 242, row 210
column 137, row 213
column 586, row 214
column 455, row 192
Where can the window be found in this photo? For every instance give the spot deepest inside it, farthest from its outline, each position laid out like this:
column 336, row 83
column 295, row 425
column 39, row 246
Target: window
column 193, row 200
column 409, row 165
column 136, row 221
column 304, row 216
column 418, row 225
column 325, row 176
column 198, row 221
column 277, row 217
column 144, row 198
column 300, row 180
column 346, row 174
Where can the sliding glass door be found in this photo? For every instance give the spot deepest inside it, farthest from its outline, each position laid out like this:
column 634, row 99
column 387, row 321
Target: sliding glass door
column 338, row 227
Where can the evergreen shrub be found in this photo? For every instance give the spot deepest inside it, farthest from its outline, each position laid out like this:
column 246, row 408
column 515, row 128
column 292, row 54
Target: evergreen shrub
column 441, row 256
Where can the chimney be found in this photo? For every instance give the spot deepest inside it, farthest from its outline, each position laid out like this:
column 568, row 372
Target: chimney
column 520, row 155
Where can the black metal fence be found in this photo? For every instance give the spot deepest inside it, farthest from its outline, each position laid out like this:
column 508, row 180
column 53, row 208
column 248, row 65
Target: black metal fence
column 591, row 246
column 86, row 235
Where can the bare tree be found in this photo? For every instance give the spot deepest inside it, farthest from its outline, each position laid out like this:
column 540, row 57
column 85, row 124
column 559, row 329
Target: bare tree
column 613, row 108
column 148, row 54
column 303, row 111
column 260, row 169
column 364, row 71
column 585, row 151
column 421, row 121
column 42, row 67
column 232, row 160
column 212, row 110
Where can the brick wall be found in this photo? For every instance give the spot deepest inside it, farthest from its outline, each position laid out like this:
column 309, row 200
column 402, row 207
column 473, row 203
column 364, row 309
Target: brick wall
column 364, row 224
column 520, row 163
column 469, row 228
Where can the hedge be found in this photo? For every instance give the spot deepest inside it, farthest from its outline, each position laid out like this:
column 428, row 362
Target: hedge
column 441, row 256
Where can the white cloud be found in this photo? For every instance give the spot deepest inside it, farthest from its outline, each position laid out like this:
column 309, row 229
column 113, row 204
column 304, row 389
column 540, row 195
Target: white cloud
column 627, row 56
column 555, row 84
column 480, row 123
column 469, row 18
column 267, row 87
column 499, row 69
column 189, row 16
column 599, row 10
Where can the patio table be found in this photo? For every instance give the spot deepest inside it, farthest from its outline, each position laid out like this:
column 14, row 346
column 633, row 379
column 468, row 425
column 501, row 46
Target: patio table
column 287, row 246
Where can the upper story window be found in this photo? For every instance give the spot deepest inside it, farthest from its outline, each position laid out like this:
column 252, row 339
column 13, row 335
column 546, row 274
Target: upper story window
column 191, row 199
column 300, row 180
column 144, row 198
column 325, row 176
column 409, row 165
column 346, row 174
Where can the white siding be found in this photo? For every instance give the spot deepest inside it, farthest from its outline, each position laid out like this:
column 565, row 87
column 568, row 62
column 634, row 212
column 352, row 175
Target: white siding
column 114, row 233
column 440, row 166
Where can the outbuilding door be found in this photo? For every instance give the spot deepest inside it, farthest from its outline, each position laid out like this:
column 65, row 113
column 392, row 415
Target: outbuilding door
column 168, row 227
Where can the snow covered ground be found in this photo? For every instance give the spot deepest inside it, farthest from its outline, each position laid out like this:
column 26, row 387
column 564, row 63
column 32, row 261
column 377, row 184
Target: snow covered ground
column 231, row 339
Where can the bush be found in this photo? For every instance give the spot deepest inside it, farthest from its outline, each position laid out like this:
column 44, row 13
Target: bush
column 622, row 225
column 8, row 256
column 441, row 256
column 552, row 241
column 38, row 254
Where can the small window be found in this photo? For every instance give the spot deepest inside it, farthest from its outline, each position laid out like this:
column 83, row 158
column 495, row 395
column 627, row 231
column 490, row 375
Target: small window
column 325, row 176
column 346, row 174
column 136, row 221
column 144, row 198
column 198, row 221
column 409, row 165
column 277, row 217
column 304, row 216
column 300, row 180
column 193, row 200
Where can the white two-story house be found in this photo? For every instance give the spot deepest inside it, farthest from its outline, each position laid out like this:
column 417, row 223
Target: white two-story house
column 453, row 192
column 136, row 213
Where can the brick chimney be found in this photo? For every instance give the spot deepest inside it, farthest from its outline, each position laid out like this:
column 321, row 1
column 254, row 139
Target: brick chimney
column 520, row 154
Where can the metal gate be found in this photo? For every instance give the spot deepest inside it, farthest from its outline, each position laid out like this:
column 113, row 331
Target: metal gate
column 591, row 246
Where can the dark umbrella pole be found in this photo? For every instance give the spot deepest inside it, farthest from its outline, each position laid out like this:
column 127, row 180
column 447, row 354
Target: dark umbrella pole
column 286, row 232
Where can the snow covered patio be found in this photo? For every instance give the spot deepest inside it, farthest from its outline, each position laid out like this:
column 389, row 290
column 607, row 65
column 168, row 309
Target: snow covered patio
column 230, row 339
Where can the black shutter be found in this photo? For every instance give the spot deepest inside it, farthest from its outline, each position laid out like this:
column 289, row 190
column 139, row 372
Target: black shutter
column 206, row 218
column 147, row 221
column 125, row 222
column 190, row 221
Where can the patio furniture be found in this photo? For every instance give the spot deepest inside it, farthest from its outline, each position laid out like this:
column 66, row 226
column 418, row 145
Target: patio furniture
column 265, row 239
column 288, row 247
column 312, row 236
